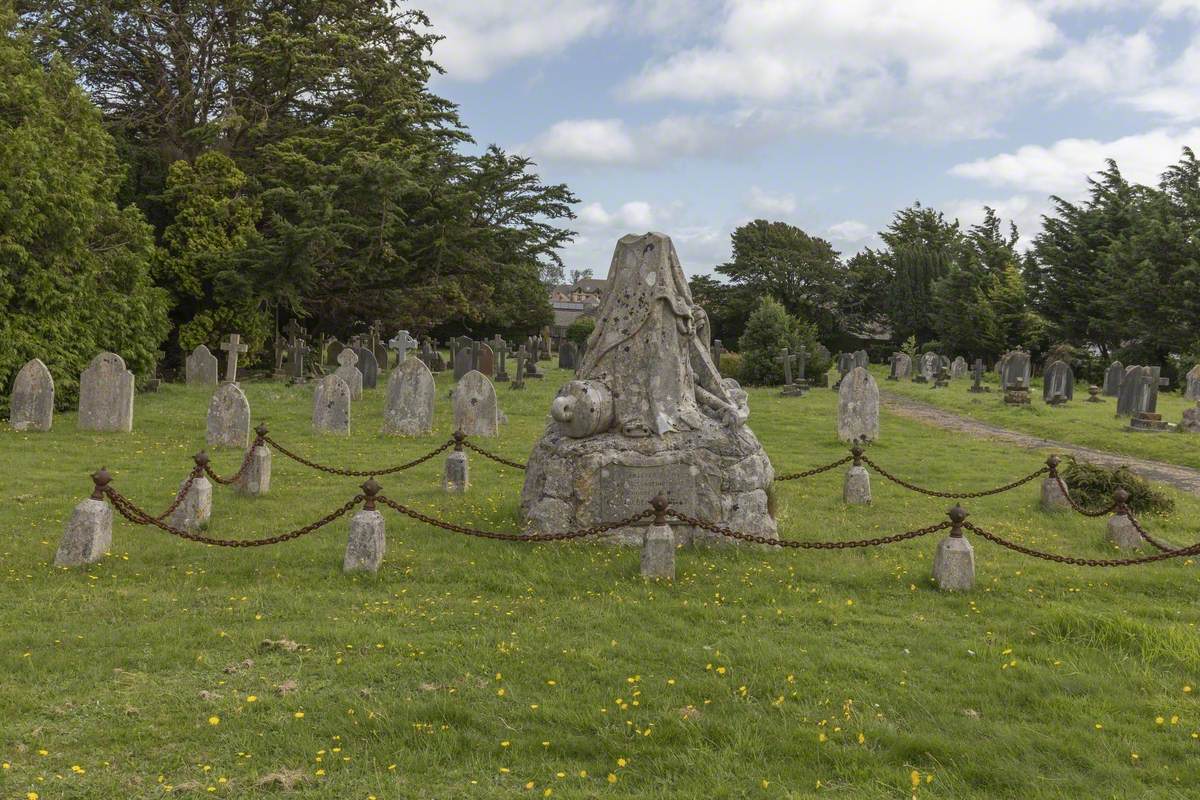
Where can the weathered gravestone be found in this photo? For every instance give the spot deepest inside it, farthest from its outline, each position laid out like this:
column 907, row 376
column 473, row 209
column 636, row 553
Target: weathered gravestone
column 31, row 404
column 349, row 373
column 858, row 407
column 1058, row 383
column 977, row 377
column 1130, row 394
column 378, row 348
column 1191, row 420
column 500, row 351
column 860, row 359
column 901, row 367
column 521, row 358
column 200, row 367
column 297, row 350
column 408, row 410
column 476, row 412
column 1112, row 379
column 567, row 354
column 332, row 350
column 1192, row 386
column 464, row 361
column 958, row 368
column 648, row 413
column 331, row 406
column 228, row 418
column 534, row 349
column 106, row 395
column 790, row 389
column 928, row 367
column 1015, row 367
column 485, row 359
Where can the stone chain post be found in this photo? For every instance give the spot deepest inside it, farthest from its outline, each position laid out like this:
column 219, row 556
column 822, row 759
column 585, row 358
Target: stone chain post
column 367, row 542
column 658, row 543
column 457, row 477
column 954, row 560
column 856, row 489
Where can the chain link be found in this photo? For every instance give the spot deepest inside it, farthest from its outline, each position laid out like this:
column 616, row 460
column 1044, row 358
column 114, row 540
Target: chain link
column 357, row 473
column 235, row 477
column 1157, row 544
column 954, row 495
column 749, row 537
column 493, row 456
column 139, row 517
column 512, row 537
column 792, row 476
column 1190, row 550
column 183, row 492
column 1078, row 508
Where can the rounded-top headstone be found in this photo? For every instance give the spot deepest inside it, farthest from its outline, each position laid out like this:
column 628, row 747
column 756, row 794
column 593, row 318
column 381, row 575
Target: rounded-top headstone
column 200, row 367
column 228, row 418
column 349, row 372
column 106, row 395
column 858, row 407
column 408, row 410
column 331, row 406
column 476, row 412
column 31, row 406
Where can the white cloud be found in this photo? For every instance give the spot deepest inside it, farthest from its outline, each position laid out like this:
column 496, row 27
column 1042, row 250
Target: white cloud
column 760, row 201
column 592, row 141
column 850, row 231
column 1023, row 209
column 701, row 246
column 1061, row 167
column 483, row 36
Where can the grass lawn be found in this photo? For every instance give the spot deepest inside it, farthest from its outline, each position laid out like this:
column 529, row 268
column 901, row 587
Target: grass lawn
column 479, row 669
column 1079, row 422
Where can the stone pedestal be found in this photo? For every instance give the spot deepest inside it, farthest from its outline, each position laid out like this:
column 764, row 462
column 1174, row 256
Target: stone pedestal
column 193, row 513
column 88, row 535
column 1122, row 533
column 456, row 479
column 256, row 480
column 1148, row 422
column 658, row 553
column 856, row 490
column 1017, row 397
column 954, row 565
column 1053, row 498
column 364, row 548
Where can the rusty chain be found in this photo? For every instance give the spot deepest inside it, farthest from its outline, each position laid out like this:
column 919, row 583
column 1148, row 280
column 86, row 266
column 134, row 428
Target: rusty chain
column 184, row 488
column 954, row 495
column 1075, row 506
column 1190, row 550
column 492, row 456
column 235, row 477
column 139, row 517
column 749, row 537
column 357, row 473
column 1157, row 544
column 792, row 476
column 512, row 537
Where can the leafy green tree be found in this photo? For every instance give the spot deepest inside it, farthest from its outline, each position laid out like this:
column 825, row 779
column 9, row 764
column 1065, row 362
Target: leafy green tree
column 921, row 248
column 213, row 219
column 728, row 306
column 579, row 330
column 803, row 272
column 74, row 265
column 769, row 330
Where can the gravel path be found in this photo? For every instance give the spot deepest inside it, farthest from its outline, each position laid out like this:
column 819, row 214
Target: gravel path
column 1184, row 478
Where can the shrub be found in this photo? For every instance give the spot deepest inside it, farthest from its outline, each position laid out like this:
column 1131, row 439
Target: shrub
column 1092, row 487
column 731, row 365
column 579, row 330
column 769, row 330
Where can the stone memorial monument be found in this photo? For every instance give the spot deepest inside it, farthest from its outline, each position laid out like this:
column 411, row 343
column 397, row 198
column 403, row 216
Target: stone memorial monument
column 31, row 405
column 200, row 367
column 106, row 395
column 648, row 413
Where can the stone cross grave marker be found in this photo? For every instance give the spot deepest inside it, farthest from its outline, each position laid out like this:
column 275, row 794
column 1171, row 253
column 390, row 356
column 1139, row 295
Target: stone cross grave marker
column 521, row 357
column 801, row 367
column 786, row 359
column 500, row 349
column 375, row 332
column 402, row 342
column 533, row 353
column 281, row 349
column 297, row 350
column 232, row 347
column 977, row 374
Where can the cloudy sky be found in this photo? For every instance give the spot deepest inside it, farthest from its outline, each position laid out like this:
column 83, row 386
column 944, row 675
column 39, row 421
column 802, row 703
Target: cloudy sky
column 694, row 116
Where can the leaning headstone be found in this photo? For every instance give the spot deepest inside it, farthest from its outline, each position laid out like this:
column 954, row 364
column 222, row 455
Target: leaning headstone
column 31, row 405
column 369, row 367
column 106, row 395
column 475, row 410
column 485, row 360
column 228, row 418
column 567, row 355
column 958, row 368
column 408, row 410
column 1131, row 391
column 858, row 407
column 1058, row 382
column 349, row 372
column 1112, row 379
column 200, row 367
column 1192, row 387
column 464, row 362
column 1015, row 367
column 331, row 406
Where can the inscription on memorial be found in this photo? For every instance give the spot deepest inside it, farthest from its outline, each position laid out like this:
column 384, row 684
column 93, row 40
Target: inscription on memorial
column 626, row 489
